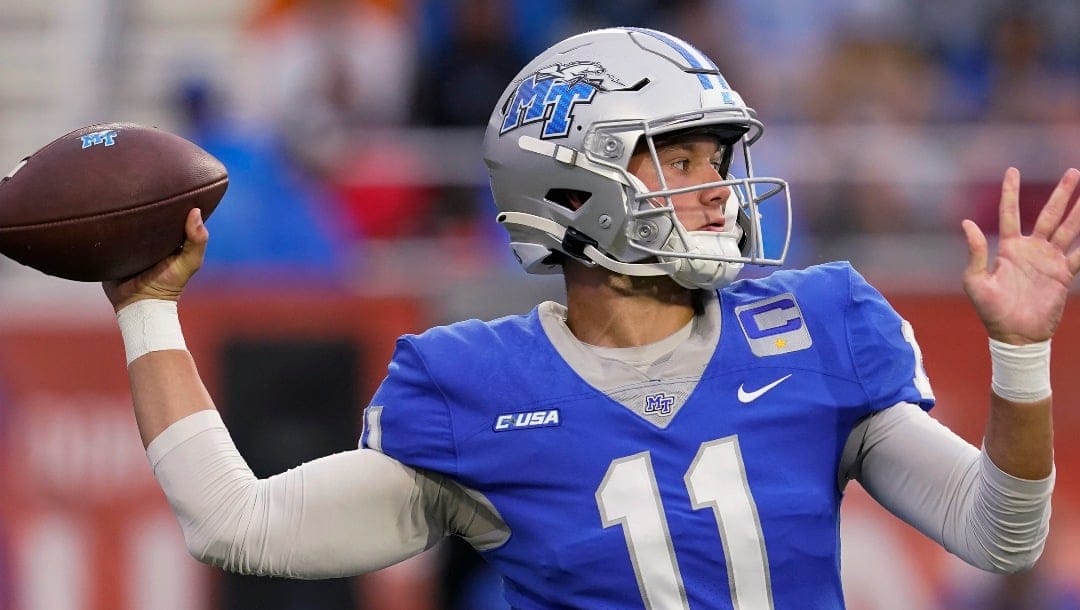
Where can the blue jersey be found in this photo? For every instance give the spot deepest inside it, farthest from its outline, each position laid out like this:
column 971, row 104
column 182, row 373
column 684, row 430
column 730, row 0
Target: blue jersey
column 731, row 502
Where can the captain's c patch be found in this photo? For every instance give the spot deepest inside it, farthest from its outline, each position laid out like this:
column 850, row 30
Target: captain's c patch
column 774, row 326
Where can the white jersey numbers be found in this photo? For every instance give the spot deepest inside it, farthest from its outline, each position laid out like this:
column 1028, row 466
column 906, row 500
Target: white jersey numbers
column 717, row 480
column 921, row 381
column 628, row 496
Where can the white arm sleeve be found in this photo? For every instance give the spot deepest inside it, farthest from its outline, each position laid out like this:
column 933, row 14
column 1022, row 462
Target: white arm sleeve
column 343, row 514
column 948, row 489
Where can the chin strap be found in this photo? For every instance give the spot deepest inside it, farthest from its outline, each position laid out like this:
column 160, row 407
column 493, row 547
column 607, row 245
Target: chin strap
column 582, row 247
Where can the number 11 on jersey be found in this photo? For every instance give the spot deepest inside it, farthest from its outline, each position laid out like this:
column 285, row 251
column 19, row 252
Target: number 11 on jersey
column 628, row 496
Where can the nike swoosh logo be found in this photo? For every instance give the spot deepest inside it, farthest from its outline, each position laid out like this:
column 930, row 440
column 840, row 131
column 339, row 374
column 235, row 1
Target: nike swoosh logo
column 745, row 396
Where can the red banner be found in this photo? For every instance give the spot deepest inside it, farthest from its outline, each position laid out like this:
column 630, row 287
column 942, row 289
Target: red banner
column 86, row 526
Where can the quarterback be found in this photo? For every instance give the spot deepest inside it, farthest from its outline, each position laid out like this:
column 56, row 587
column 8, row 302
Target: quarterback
column 670, row 436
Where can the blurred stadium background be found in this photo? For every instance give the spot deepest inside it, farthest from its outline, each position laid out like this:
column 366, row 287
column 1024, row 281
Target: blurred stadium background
column 358, row 211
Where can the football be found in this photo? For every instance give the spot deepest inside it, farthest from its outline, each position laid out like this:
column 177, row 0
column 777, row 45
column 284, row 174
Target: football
column 106, row 201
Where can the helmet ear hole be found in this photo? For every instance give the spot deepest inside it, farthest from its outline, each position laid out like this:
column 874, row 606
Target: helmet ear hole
column 571, row 199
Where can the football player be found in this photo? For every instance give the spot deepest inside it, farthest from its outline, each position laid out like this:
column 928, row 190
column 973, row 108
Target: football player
column 669, row 437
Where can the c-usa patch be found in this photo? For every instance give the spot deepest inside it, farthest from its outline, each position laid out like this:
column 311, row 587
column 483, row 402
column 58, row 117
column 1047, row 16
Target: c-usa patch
column 544, row 418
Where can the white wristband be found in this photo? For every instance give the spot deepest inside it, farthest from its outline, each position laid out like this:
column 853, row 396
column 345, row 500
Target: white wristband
column 150, row 325
column 1020, row 373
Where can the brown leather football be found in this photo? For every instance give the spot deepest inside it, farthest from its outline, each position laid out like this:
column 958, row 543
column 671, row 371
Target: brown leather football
column 106, row 201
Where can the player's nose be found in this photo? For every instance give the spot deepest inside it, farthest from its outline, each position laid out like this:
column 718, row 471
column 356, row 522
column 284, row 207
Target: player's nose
column 714, row 195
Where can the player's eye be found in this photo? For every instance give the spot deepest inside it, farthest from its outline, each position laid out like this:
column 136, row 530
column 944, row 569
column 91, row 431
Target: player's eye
column 722, row 162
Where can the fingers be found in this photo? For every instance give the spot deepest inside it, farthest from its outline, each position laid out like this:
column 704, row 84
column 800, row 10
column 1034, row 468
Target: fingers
column 1009, row 209
column 1074, row 261
column 1051, row 214
column 1064, row 235
column 978, row 250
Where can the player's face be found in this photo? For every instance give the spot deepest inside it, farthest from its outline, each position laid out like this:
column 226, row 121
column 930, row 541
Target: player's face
column 688, row 161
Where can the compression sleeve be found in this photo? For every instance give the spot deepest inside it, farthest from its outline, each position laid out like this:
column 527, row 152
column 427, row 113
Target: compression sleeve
column 948, row 489
column 340, row 515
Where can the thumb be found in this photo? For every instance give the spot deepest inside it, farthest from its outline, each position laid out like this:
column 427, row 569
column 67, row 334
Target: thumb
column 166, row 279
column 196, row 236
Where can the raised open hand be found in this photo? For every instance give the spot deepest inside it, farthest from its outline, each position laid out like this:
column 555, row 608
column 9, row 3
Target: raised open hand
column 1020, row 297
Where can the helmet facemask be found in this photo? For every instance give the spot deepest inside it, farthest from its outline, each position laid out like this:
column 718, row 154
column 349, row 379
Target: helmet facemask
column 684, row 248
column 705, row 259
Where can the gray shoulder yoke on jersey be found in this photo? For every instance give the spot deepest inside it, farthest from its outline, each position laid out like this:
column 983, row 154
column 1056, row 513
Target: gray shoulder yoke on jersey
column 683, row 355
column 343, row 514
column 626, row 375
column 948, row 489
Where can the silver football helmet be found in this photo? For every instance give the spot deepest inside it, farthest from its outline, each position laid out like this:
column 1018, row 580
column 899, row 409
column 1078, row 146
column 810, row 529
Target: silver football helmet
column 558, row 145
